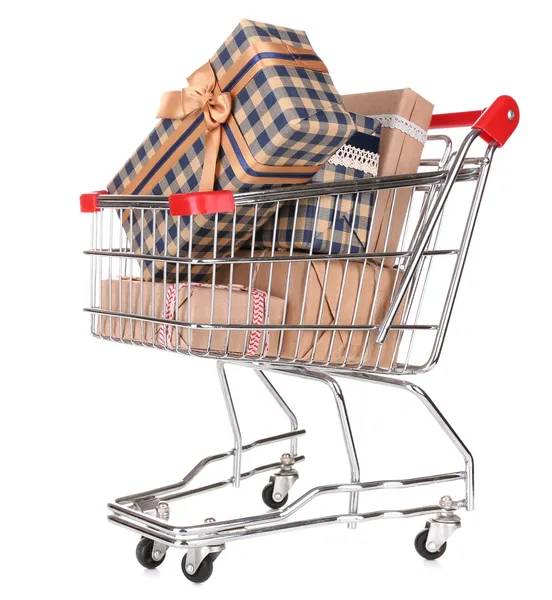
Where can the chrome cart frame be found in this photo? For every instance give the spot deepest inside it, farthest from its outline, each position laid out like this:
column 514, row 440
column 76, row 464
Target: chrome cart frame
column 147, row 513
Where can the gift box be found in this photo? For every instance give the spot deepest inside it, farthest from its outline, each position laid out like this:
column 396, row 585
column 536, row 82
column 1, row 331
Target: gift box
column 405, row 117
column 197, row 304
column 314, row 298
column 262, row 112
column 331, row 224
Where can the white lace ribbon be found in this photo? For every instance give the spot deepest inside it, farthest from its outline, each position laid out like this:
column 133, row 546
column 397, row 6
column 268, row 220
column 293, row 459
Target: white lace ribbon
column 356, row 158
column 404, row 125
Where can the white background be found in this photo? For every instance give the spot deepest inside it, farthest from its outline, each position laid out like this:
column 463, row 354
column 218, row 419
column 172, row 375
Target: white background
column 82, row 420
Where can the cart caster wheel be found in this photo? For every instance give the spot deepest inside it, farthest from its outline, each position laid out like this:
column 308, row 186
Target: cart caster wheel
column 420, row 545
column 202, row 573
column 144, row 550
column 269, row 500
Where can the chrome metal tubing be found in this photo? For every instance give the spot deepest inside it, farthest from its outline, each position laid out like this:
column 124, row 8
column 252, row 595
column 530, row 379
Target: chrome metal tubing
column 196, row 531
column 237, row 454
column 438, row 416
column 461, row 260
column 284, row 406
column 246, row 531
column 239, row 326
column 422, row 240
column 293, row 192
column 344, row 421
column 228, row 260
column 160, row 492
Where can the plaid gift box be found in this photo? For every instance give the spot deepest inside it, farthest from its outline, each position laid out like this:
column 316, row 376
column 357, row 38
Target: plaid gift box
column 333, row 224
column 262, row 112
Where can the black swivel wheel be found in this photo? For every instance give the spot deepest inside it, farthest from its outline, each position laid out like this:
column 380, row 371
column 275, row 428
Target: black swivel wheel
column 420, row 545
column 144, row 551
column 202, row 573
column 268, row 499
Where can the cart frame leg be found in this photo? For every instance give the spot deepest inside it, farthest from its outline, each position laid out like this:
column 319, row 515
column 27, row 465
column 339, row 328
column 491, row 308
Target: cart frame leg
column 428, row 403
column 234, row 423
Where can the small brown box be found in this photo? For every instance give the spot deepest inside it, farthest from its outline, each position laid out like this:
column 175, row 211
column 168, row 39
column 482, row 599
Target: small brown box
column 117, row 295
column 306, row 304
column 400, row 153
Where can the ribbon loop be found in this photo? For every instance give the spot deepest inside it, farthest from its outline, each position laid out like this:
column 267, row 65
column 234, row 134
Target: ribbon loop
column 202, row 94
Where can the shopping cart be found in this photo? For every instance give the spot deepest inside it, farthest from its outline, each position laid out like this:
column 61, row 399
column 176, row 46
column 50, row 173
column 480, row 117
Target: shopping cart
column 426, row 271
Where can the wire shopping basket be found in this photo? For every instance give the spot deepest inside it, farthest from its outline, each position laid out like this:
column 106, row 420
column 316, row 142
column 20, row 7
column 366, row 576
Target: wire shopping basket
column 308, row 294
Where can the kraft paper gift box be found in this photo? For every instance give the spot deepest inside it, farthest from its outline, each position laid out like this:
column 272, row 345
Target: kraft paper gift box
column 194, row 307
column 405, row 117
column 262, row 112
column 308, row 283
column 314, row 225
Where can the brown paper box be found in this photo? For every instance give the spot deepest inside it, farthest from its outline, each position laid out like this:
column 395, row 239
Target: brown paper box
column 309, row 283
column 199, row 303
column 399, row 154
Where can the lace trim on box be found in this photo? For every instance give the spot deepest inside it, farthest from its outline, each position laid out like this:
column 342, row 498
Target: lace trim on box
column 404, row 125
column 356, row 158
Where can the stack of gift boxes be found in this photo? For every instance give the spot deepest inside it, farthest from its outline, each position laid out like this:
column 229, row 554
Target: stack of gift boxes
column 264, row 113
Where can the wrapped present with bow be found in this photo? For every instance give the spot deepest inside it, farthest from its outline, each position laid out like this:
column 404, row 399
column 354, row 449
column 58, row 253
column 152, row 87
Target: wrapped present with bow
column 262, row 112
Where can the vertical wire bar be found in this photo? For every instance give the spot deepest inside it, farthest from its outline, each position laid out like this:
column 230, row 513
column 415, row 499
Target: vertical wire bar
column 250, row 283
column 191, row 224
column 378, row 282
column 271, row 268
column 307, row 277
column 154, row 274
column 326, row 275
column 164, row 303
column 101, row 258
column 121, row 328
column 214, row 283
column 177, row 330
column 361, row 284
column 132, row 322
column 110, row 274
column 396, row 281
column 94, row 282
column 231, row 282
column 142, row 267
column 404, row 317
column 288, row 276
column 344, row 279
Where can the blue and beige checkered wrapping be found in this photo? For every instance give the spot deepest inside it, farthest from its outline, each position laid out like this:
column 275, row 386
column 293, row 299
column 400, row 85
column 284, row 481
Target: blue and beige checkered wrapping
column 288, row 116
column 157, row 233
column 249, row 32
column 333, row 224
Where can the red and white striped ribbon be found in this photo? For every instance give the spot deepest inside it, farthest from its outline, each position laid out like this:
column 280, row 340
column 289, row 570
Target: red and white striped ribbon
column 259, row 298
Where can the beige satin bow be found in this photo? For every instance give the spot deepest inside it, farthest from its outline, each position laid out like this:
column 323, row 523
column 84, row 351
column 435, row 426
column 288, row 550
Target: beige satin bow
column 203, row 94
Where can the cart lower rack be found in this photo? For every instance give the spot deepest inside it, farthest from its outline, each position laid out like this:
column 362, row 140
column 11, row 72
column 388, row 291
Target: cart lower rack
column 372, row 316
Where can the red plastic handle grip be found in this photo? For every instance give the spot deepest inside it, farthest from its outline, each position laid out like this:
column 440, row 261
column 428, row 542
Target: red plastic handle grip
column 201, row 203
column 499, row 121
column 89, row 202
column 496, row 123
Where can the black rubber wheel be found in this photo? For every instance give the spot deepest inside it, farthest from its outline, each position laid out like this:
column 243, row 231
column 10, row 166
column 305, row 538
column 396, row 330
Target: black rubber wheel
column 203, row 572
column 269, row 500
column 143, row 554
column 420, row 545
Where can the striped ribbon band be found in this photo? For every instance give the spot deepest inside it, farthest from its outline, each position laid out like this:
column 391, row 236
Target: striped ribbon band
column 259, row 298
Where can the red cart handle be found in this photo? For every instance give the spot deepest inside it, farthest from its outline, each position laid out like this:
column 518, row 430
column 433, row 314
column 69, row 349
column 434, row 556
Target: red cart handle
column 201, row 203
column 180, row 205
column 496, row 123
column 89, row 202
